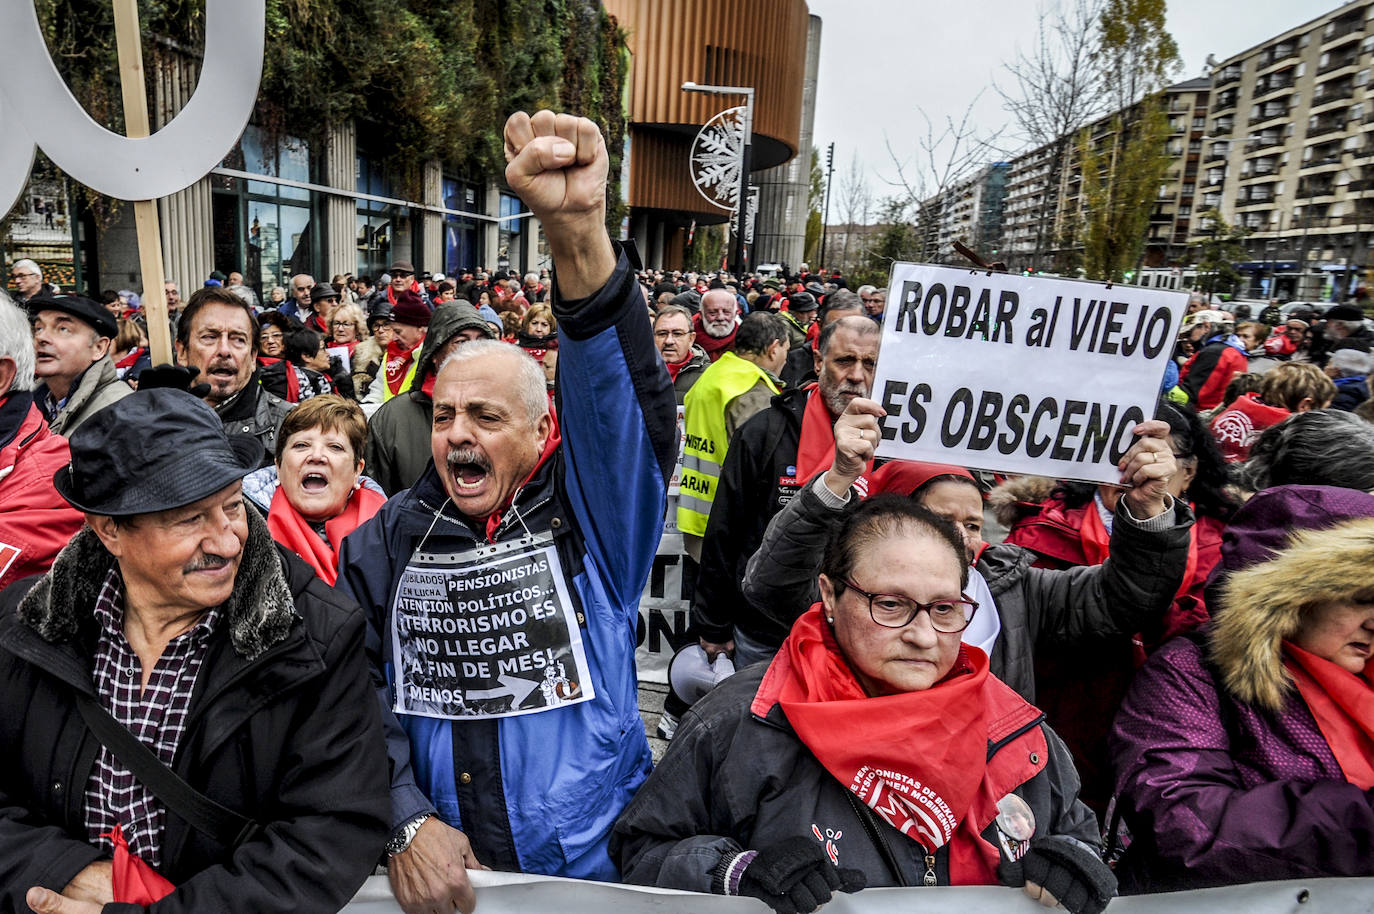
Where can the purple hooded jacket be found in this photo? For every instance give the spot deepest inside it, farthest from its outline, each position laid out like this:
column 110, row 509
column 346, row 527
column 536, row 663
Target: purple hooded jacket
column 1223, row 775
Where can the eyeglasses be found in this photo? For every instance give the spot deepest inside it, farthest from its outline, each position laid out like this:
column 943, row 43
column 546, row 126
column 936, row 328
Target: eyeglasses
column 343, row 323
column 22, row 275
column 400, row 273
column 896, row 611
column 271, row 335
column 671, row 334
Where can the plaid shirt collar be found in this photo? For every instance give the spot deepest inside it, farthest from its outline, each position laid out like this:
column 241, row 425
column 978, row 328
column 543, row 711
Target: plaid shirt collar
column 109, row 612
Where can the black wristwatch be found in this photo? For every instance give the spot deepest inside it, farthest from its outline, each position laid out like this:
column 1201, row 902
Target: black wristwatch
column 400, row 841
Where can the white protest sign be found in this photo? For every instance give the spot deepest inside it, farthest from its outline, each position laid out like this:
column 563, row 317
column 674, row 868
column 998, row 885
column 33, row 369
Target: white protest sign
column 1020, row 374
column 487, row 633
column 664, row 611
column 343, row 355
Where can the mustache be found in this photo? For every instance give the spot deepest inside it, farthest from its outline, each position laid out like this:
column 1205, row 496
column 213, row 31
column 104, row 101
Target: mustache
column 467, row 455
column 207, row 562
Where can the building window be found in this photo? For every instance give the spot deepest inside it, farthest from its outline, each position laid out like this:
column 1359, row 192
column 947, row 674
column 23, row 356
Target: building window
column 377, row 222
column 280, row 241
column 462, row 237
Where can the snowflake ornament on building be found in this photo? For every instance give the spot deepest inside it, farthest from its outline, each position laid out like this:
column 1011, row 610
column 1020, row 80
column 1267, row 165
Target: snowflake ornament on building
column 717, row 153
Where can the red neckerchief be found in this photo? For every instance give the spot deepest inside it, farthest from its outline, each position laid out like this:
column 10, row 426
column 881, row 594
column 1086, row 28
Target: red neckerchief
column 293, row 384
column 1343, row 705
column 295, row 533
column 675, row 367
column 398, row 361
column 313, row 322
column 132, row 357
column 550, row 445
column 391, row 291
column 265, row 360
column 816, row 450
column 714, row 346
column 918, row 759
column 132, row 881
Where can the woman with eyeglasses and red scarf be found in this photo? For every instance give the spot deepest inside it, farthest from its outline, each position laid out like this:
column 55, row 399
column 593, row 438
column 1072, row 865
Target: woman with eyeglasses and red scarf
column 876, row 749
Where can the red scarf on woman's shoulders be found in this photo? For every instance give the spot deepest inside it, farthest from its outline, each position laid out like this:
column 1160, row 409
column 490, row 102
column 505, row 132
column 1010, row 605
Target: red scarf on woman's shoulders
column 295, row 533
column 918, row 759
column 1343, row 705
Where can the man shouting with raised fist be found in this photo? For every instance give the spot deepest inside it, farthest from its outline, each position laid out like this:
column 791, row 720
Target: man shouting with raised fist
column 517, row 560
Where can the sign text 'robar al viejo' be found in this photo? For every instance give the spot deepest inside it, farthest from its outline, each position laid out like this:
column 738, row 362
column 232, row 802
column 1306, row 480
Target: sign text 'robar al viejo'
column 1020, row 374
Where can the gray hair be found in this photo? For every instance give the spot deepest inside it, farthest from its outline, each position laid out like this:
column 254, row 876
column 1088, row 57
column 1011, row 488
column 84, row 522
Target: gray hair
column 1321, row 447
column 867, row 290
column 844, row 300
column 529, row 377
column 669, row 311
column 16, row 342
column 856, row 322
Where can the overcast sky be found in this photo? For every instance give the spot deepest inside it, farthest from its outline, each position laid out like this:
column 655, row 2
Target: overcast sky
column 882, row 61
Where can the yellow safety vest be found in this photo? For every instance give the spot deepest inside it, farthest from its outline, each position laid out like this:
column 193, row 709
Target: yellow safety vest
column 405, row 382
column 704, row 451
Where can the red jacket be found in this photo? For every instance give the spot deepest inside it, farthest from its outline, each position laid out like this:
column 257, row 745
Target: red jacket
column 35, row 523
column 1229, row 363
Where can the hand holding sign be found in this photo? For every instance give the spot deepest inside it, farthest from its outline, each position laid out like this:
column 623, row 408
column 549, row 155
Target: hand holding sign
column 857, row 434
column 1020, row 374
column 1147, row 467
column 431, row 874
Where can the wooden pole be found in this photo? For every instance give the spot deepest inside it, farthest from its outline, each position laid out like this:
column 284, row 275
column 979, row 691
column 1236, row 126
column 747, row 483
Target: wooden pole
column 133, row 87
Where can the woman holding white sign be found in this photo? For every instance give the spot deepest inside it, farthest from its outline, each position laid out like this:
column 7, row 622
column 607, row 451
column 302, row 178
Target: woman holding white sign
column 1034, row 607
column 875, row 749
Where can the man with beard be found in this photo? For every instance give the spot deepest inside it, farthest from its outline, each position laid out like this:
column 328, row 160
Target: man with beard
column 219, row 337
column 770, row 459
column 800, row 369
column 487, row 770
column 716, row 323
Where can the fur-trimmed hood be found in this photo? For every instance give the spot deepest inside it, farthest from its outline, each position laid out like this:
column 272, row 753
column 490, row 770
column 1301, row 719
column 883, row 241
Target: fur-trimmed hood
column 1012, row 500
column 259, row 612
column 1265, row 603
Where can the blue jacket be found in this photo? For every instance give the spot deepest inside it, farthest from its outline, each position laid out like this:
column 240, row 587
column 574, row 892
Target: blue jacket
column 539, row 793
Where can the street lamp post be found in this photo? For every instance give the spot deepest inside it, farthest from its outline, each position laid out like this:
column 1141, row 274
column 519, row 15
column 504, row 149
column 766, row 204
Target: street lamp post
column 742, row 204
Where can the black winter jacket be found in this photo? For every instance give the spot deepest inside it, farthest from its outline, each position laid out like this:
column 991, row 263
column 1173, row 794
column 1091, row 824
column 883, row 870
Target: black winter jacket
column 283, row 728
column 757, row 480
column 732, row 780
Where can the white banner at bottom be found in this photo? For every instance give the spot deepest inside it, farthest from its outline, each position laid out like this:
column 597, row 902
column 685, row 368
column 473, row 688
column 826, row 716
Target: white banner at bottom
column 515, row 893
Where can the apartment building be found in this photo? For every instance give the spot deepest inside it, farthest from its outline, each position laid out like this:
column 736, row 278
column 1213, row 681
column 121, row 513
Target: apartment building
column 971, row 211
column 1290, row 155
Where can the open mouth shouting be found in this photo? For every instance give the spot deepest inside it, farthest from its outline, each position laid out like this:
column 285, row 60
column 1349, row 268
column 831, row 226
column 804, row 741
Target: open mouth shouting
column 314, row 481
column 469, row 469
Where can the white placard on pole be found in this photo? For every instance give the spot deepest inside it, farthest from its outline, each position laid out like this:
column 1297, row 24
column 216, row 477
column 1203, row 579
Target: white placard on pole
column 1023, row 374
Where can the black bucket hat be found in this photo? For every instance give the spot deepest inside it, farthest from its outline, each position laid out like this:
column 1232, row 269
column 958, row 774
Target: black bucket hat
column 152, row 451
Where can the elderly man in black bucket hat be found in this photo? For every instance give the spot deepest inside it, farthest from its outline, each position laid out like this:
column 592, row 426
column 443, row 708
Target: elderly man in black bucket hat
column 181, row 694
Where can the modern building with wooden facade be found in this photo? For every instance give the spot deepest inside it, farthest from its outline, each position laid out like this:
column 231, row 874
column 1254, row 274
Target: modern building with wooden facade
column 758, row 43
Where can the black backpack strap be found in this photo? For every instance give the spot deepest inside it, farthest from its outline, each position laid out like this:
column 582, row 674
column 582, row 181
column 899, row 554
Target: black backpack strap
column 202, row 813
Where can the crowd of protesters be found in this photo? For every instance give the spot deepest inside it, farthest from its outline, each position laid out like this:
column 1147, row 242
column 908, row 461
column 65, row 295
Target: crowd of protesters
column 207, row 571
